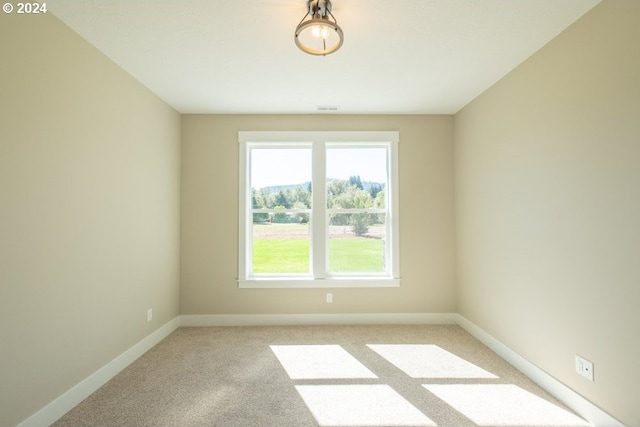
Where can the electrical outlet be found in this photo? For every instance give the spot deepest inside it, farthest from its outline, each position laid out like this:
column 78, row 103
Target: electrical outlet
column 149, row 315
column 329, row 297
column 584, row 367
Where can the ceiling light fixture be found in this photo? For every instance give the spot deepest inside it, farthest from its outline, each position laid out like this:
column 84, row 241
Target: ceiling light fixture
column 319, row 35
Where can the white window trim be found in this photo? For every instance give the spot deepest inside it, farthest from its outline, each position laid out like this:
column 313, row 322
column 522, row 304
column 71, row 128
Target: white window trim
column 318, row 141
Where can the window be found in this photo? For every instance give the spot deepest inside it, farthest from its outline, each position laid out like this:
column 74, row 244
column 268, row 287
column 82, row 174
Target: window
column 318, row 209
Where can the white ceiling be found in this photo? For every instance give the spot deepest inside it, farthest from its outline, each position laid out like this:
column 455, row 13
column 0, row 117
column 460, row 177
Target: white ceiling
column 398, row 57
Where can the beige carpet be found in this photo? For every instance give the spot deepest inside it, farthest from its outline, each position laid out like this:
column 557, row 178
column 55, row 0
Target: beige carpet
column 320, row 376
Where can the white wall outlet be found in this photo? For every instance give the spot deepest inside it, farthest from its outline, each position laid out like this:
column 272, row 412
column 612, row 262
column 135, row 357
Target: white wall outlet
column 149, row 315
column 584, row 367
column 329, row 297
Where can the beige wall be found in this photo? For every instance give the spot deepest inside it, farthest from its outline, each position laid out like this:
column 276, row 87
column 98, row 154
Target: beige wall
column 548, row 207
column 89, row 223
column 209, row 250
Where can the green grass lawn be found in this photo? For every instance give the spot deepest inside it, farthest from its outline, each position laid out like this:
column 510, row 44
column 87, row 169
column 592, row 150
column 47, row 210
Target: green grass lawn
column 292, row 255
column 280, row 256
column 356, row 255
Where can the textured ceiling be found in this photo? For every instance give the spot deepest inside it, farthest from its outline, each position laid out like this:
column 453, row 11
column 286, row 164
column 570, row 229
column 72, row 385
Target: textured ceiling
column 398, row 57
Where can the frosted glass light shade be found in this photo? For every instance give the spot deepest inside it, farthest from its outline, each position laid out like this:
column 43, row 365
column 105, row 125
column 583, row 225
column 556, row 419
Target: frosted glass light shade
column 319, row 36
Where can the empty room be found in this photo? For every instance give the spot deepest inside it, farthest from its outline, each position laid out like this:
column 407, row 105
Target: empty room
column 320, row 213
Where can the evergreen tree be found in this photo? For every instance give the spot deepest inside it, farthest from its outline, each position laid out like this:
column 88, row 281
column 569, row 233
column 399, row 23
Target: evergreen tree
column 281, row 200
column 356, row 182
column 374, row 190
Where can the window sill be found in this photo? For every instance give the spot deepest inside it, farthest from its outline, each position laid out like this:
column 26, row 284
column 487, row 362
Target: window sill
column 338, row 282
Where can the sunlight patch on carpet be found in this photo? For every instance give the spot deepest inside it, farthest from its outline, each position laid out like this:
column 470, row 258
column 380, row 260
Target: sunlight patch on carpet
column 503, row 405
column 304, row 362
column 428, row 361
column 360, row 405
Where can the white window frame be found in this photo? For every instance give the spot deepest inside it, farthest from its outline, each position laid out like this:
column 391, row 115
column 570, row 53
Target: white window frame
column 319, row 277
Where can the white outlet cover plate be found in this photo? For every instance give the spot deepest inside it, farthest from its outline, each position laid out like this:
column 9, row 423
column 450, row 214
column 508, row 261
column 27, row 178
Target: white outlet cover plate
column 584, row 367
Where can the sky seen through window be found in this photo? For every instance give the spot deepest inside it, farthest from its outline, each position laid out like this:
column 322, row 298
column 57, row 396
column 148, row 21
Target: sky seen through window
column 292, row 166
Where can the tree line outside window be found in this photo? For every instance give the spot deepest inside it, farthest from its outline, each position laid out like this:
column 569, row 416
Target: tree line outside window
column 341, row 194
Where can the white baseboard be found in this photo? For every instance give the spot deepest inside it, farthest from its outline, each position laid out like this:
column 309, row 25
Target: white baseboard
column 67, row 401
column 61, row 405
column 573, row 400
column 319, row 319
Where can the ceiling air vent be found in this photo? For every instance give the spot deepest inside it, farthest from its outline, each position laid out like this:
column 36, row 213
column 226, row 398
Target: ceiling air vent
column 327, row 107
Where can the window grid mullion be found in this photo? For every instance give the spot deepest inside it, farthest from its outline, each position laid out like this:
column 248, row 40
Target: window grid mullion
column 357, row 210
column 319, row 234
column 265, row 210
